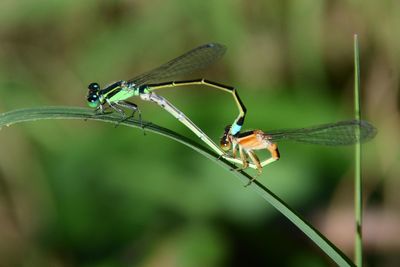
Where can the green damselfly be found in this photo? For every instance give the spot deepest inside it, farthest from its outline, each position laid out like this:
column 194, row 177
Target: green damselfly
column 115, row 95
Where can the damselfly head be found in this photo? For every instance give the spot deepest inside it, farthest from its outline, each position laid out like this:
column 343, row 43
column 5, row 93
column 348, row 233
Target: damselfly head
column 225, row 141
column 94, row 87
column 93, row 95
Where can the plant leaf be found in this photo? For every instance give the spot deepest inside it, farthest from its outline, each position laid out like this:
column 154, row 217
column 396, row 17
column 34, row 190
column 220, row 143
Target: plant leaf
column 43, row 113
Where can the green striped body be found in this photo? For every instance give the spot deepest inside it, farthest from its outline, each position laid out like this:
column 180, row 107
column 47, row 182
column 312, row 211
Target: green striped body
column 112, row 93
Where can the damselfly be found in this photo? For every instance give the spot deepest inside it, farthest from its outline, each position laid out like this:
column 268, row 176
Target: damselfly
column 331, row 134
column 115, row 95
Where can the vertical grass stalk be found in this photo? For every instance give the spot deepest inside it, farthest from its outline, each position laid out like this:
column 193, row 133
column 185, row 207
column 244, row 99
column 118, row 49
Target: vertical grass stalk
column 358, row 246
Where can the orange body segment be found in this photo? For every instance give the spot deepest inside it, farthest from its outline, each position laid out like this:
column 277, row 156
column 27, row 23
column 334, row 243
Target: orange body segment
column 273, row 149
column 254, row 141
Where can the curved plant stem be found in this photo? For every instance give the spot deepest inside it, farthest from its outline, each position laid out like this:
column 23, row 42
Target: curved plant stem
column 43, row 113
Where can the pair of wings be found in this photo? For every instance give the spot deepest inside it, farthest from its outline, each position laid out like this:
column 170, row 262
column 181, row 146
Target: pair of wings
column 195, row 59
column 331, row 134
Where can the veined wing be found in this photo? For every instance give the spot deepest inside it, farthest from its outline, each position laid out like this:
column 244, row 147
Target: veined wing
column 197, row 58
column 331, row 134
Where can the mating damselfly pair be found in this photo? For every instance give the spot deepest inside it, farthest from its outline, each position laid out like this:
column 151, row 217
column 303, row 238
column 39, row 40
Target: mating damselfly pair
column 115, row 96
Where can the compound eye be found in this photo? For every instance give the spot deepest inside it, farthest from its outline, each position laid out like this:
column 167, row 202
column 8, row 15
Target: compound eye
column 94, row 87
column 93, row 100
column 225, row 144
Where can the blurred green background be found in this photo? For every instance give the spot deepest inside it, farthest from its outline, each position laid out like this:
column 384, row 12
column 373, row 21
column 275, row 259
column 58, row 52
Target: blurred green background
column 76, row 193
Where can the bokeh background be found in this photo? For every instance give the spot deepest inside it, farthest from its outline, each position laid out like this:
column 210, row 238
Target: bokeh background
column 80, row 193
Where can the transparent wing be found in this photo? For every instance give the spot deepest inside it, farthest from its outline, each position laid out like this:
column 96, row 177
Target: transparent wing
column 332, row 134
column 197, row 58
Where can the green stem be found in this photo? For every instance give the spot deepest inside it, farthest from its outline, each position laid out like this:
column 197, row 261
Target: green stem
column 34, row 114
column 358, row 249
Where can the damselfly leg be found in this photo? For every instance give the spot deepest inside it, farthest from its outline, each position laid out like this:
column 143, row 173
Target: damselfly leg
column 134, row 108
